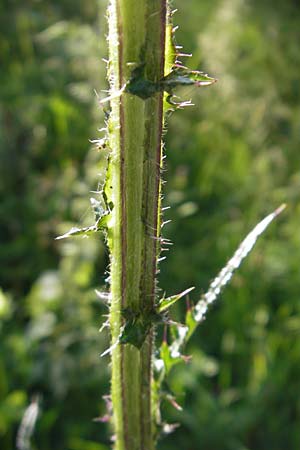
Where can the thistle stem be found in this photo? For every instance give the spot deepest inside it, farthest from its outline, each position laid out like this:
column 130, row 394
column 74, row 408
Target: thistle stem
column 136, row 41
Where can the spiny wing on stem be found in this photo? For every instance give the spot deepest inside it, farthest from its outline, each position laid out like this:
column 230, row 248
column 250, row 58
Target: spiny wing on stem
column 102, row 215
column 179, row 76
column 86, row 231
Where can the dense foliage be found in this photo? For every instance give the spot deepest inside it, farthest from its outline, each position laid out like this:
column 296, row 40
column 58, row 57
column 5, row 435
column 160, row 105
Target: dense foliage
column 230, row 160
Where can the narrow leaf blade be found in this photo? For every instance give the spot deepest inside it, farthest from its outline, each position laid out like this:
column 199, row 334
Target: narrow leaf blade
column 99, row 225
column 180, row 76
column 165, row 303
column 225, row 275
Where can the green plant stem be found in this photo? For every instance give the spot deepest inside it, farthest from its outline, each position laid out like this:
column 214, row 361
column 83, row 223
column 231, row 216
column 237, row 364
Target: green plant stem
column 136, row 39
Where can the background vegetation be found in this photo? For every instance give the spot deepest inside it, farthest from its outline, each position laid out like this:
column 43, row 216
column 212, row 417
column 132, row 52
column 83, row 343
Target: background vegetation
column 231, row 159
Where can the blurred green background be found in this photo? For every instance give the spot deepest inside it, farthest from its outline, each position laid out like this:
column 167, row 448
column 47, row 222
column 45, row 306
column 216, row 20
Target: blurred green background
column 231, row 159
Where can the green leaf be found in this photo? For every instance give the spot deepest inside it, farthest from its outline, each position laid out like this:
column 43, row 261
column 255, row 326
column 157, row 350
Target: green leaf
column 181, row 76
column 99, row 225
column 191, row 323
column 139, row 85
column 99, row 211
column 137, row 326
column 168, row 360
column 165, row 303
column 225, row 275
column 135, row 333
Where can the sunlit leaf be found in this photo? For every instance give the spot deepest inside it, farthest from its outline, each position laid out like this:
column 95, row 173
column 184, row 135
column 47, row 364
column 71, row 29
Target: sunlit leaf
column 99, row 225
column 165, row 303
column 180, row 76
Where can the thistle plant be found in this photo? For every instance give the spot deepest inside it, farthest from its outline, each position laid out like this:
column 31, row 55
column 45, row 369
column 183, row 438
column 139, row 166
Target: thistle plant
column 144, row 72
